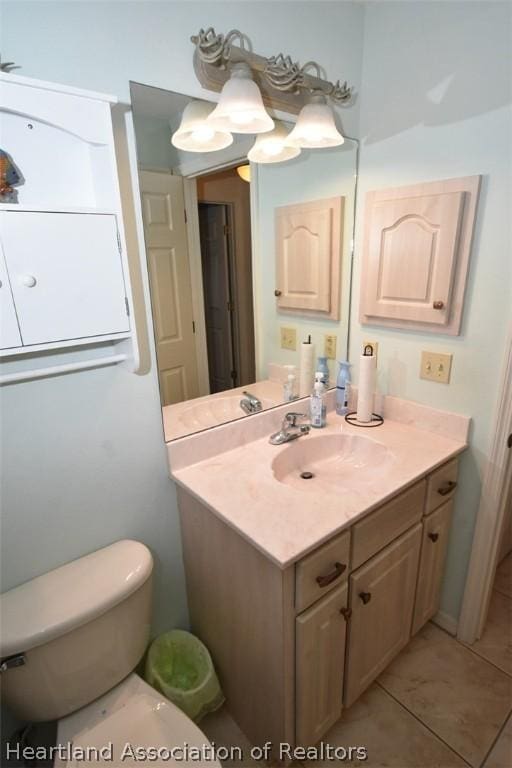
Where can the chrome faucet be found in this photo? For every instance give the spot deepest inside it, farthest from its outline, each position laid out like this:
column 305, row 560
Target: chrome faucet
column 250, row 403
column 291, row 429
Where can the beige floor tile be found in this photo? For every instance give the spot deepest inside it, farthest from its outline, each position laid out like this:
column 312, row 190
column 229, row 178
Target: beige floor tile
column 503, row 579
column 221, row 730
column 457, row 694
column 392, row 736
column 501, row 753
column 496, row 641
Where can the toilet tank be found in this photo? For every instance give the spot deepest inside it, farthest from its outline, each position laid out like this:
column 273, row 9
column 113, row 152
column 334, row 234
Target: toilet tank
column 81, row 628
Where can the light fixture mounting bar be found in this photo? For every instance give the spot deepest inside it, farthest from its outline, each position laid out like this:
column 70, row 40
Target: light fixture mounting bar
column 284, row 84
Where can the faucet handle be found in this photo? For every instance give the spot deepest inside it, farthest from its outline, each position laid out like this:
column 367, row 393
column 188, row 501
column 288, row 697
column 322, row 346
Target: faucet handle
column 291, row 418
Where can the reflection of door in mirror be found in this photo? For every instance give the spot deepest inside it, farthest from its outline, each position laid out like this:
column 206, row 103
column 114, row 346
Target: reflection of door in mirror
column 171, row 294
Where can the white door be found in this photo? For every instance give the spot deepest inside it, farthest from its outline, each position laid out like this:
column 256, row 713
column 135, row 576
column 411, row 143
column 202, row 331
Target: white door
column 65, row 273
column 163, row 210
column 9, row 331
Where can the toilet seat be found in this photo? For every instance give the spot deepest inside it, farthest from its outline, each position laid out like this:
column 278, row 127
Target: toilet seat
column 133, row 714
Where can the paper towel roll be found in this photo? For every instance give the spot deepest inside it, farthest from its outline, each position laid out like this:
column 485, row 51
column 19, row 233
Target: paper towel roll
column 307, row 368
column 366, row 388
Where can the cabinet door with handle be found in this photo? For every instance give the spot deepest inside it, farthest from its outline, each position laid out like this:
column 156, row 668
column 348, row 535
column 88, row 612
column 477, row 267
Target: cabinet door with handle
column 10, row 336
column 381, row 601
column 436, row 528
column 320, row 658
column 66, row 274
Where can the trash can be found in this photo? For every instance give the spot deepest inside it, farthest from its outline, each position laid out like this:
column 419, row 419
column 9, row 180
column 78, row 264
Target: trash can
column 180, row 666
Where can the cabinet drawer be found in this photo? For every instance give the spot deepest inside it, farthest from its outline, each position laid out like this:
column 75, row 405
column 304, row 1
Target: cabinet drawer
column 325, row 568
column 385, row 524
column 441, row 485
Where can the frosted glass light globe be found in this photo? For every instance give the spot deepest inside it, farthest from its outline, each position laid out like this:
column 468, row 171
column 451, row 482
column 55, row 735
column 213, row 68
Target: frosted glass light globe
column 271, row 147
column 240, row 108
column 315, row 127
column 195, row 134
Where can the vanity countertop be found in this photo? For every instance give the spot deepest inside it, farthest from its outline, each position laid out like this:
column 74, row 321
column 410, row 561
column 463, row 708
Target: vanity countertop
column 286, row 522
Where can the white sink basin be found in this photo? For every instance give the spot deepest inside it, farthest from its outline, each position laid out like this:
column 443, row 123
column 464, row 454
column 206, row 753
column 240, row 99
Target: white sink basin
column 336, row 462
column 216, row 410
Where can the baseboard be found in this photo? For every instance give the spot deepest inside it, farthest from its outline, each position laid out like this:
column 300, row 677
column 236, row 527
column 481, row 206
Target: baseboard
column 446, row 622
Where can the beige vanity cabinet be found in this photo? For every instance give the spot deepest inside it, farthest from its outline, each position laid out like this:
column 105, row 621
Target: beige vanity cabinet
column 319, row 665
column 382, row 603
column 292, row 646
column 436, row 528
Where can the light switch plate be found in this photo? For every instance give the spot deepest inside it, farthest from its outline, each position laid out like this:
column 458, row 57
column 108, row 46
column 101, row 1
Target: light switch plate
column 374, row 345
column 288, row 338
column 330, row 343
column 436, row 366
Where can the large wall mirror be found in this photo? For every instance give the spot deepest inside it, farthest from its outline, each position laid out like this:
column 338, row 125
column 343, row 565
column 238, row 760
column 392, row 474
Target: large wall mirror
column 246, row 262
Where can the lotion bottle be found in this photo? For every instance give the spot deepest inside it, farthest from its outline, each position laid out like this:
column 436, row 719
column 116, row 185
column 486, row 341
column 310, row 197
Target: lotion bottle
column 318, row 408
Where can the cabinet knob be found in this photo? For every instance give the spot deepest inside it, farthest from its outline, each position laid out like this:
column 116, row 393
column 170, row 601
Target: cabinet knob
column 438, row 304
column 365, row 597
column 346, row 613
column 447, row 487
column 28, row 281
column 277, row 292
column 433, row 537
column 324, row 581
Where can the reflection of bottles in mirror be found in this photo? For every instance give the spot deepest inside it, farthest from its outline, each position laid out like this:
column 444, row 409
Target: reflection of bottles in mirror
column 289, row 389
column 322, row 367
column 318, row 407
column 343, row 388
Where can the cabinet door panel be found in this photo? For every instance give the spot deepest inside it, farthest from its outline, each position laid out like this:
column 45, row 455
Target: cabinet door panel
column 10, row 336
column 382, row 601
column 320, row 658
column 66, row 275
column 308, row 256
column 436, row 529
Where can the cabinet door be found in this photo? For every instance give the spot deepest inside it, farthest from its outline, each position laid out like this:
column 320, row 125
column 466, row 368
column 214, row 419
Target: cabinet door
column 66, row 275
column 320, row 658
column 9, row 331
column 382, row 601
column 411, row 255
column 436, row 529
column 308, row 256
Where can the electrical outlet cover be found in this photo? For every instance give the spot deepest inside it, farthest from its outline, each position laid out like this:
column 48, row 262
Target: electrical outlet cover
column 330, row 343
column 288, row 338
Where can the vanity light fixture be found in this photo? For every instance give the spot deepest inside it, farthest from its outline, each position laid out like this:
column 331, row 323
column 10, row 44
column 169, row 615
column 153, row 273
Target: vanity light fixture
column 240, row 108
column 271, row 147
column 315, row 127
column 196, row 134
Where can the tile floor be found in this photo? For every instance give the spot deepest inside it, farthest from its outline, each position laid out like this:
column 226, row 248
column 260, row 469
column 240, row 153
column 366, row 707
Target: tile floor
column 440, row 704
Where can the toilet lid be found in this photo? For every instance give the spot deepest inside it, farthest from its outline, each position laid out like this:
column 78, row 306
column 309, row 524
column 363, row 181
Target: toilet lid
column 145, row 731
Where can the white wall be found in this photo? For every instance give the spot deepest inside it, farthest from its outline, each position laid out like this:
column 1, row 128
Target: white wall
column 83, row 456
column 435, row 104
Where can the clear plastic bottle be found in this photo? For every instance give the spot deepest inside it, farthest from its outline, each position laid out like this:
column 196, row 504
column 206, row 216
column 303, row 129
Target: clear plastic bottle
column 343, row 388
column 289, row 389
column 318, row 409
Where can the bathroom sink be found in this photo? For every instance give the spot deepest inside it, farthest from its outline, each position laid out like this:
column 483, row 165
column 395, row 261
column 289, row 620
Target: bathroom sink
column 216, row 410
column 332, row 462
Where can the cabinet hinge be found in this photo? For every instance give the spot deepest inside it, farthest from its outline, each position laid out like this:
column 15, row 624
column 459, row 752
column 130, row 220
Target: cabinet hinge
column 185, row 215
column 226, row 229
column 193, row 326
column 230, row 306
column 119, row 243
column 126, row 304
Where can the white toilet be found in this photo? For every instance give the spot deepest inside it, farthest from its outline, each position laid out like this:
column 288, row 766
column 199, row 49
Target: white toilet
column 69, row 643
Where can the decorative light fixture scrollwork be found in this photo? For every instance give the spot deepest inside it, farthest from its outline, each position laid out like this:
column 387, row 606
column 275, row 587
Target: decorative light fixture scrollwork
column 280, row 72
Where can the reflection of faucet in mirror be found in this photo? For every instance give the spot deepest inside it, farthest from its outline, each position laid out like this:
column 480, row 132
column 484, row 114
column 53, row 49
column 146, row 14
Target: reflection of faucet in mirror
column 250, row 403
column 291, row 429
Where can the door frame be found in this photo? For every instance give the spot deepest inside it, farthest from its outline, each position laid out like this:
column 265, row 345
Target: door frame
column 491, row 514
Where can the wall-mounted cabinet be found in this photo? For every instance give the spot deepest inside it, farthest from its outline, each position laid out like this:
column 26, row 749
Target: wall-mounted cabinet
column 65, row 283
column 416, row 254
column 308, row 257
